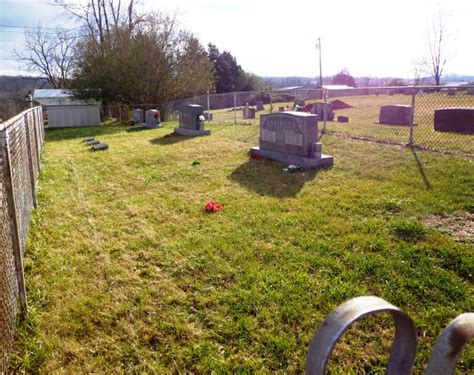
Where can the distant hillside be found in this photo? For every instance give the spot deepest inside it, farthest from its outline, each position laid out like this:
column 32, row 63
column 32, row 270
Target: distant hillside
column 17, row 84
column 280, row 82
column 457, row 77
column 12, row 93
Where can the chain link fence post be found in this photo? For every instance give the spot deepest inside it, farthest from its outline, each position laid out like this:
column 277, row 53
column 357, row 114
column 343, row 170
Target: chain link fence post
column 324, row 110
column 412, row 125
column 235, row 108
column 271, row 102
column 208, row 106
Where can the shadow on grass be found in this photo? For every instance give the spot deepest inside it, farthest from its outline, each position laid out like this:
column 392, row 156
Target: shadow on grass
column 267, row 177
column 136, row 128
column 422, row 170
column 169, row 139
column 63, row 134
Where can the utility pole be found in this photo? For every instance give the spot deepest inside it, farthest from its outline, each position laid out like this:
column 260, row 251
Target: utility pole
column 318, row 47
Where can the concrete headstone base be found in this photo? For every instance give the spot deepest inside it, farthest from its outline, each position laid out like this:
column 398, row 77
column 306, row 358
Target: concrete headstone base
column 191, row 133
column 325, row 161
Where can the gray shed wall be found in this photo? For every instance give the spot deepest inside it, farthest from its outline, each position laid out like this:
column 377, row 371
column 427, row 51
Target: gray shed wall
column 70, row 116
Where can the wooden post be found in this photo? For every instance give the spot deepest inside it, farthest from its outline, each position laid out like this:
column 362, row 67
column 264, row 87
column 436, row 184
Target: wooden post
column 14, row 222
column 30, row 159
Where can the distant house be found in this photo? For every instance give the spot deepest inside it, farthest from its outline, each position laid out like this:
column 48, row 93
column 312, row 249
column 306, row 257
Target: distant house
column 312, row 93
column 338, row 87
column 65, row 111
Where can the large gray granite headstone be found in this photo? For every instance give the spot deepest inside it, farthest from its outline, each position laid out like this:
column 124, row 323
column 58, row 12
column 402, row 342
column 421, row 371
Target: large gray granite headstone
column 454, row 120
column 291, row 137
column 191, row 121
column 152, row 118
column 395, row 115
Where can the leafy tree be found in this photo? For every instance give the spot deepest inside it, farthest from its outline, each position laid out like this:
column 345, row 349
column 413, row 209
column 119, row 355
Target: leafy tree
column 135, row 58
column 344, row 78
column 152, row 64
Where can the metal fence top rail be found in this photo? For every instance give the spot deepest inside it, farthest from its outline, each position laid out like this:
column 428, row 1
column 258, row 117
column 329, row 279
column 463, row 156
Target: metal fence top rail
column 8, row 123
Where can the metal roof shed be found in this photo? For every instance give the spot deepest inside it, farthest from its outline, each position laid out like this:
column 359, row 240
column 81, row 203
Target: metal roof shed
column 65, row 111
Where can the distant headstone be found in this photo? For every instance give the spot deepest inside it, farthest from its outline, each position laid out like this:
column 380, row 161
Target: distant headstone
column 292, row 138
column 342, row 119
column 191, row 121
column 100, row 147
column 281, row 109
column 454, row 120
column 93, row 142
column 451, row 92
column 260, row 106
column 324, row 111
column 420, row 93
column 395, row 115
column 138, row 116
column 88, row 139
column 470, row 91
column 249, row 112
column 152, row 119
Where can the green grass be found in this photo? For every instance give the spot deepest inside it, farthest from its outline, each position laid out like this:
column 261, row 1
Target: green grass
column 126, row 273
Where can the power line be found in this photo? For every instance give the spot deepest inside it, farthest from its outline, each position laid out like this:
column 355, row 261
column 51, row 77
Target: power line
column 34, row 27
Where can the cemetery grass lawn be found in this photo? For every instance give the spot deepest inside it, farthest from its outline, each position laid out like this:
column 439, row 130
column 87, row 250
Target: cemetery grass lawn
column 126, row 273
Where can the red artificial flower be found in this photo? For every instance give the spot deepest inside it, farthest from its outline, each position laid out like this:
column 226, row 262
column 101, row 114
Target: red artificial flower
column 212, row 206
column 157, row 114
column 256, row 155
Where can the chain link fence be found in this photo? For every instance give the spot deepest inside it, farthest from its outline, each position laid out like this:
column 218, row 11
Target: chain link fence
column 396, row 115
column 21, row 140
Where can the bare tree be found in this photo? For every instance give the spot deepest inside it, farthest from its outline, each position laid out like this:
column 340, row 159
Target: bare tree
column 438, row 46
column 419, row 69
column 102, row 17
column 50, row 53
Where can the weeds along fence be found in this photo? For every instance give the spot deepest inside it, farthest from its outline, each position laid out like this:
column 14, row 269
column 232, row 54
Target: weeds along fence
column 353, row 113
column 21, row 140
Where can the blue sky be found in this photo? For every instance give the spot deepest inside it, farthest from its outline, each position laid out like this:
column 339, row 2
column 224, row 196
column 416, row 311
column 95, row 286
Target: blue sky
column 277, row 38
